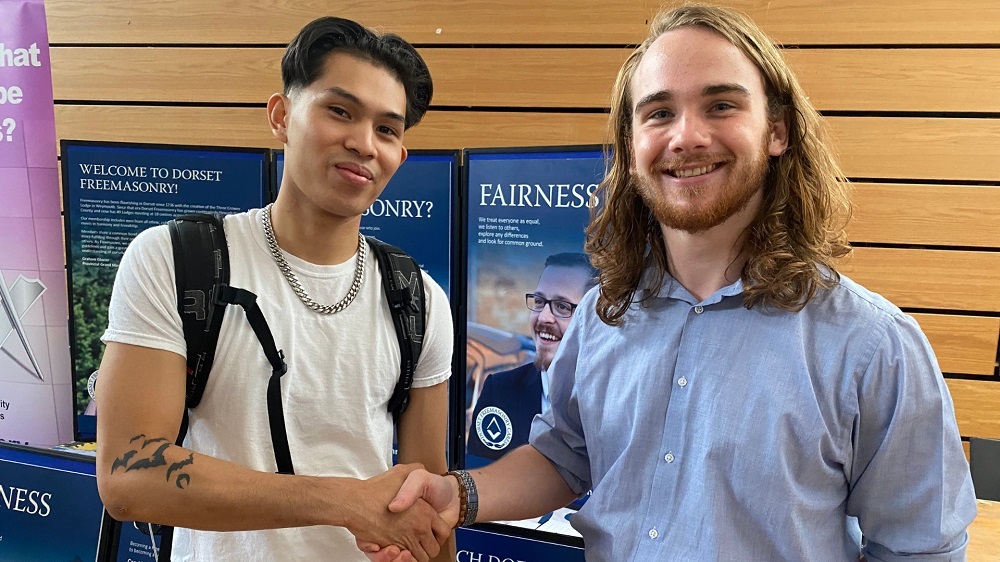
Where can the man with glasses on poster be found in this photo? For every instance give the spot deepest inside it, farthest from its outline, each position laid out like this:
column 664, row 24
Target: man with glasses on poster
column 509, row 400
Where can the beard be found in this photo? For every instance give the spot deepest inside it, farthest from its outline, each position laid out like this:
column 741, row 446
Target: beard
column 543, row 359
column 702, row 207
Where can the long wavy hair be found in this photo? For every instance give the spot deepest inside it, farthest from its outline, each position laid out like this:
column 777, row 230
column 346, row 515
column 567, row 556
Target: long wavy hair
column 794, row 240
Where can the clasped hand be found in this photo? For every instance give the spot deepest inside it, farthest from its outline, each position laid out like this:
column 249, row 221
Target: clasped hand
column 417, row 501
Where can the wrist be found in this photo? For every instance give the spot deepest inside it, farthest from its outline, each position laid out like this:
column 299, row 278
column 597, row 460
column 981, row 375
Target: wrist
column 468, row 497
column 338, row 497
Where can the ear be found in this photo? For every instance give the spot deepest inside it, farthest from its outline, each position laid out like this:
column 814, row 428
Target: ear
column 277, row 116
column 403, row 155
column 779, row 136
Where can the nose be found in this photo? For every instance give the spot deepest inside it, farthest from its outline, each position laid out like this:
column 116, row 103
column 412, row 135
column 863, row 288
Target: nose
column 689, row 133
column 360, row 139
column 545, row 314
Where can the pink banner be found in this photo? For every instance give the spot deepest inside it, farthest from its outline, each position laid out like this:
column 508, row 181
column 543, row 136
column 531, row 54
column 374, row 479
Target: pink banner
column 35, row 386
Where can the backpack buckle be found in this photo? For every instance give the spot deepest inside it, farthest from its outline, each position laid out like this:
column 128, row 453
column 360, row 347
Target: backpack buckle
column 284, row 366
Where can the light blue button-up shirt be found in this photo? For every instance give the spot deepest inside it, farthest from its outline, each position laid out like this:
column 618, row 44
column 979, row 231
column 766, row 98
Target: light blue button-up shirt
column 712, row 432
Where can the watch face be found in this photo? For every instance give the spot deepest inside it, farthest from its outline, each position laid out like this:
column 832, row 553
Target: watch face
column 91, row 384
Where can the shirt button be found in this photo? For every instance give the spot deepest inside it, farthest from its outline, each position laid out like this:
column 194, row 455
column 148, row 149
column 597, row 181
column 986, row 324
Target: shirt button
column 653, row 533
column 682, row 382
column 699, row 309
column 669, row 457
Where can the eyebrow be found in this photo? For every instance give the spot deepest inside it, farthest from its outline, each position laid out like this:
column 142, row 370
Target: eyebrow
column 340, row 92
column 730, row 88
column 711, row 90
column 555, row 297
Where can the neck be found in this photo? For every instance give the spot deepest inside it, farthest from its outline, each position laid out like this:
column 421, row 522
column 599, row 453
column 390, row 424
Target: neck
column 311, row 234
column 706, row 261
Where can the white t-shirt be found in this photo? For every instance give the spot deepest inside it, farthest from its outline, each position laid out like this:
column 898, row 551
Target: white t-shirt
column 342, row 369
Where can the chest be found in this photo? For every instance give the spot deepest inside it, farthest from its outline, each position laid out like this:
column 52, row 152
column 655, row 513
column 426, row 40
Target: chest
column 724, row 388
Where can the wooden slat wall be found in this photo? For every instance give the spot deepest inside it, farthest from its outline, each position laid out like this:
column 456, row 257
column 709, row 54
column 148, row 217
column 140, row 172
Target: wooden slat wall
column 909, row 89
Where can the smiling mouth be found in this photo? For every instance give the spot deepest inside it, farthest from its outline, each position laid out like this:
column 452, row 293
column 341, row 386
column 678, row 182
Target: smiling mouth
column 694, row 172
column 357, row 170
column 545, row 336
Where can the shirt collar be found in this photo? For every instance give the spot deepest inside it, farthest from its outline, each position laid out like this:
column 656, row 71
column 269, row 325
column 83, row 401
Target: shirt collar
column 672, row 289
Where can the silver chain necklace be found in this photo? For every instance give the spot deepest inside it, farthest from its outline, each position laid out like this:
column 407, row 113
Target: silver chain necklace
column 359, row 271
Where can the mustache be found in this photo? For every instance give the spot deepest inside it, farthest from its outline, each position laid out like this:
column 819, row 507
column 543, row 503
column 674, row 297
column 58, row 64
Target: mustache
column 549, row 331
column 678, row 162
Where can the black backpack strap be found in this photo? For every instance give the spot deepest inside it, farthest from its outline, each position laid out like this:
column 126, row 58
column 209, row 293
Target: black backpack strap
column 276, row 357
column 404, row 291
column 201, row 263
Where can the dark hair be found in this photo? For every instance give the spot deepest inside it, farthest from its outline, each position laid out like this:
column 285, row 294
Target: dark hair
column 574, row 259
column 303, row 59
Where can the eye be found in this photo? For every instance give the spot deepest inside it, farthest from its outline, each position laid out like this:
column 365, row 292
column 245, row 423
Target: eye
column 563, row 308
column 722, row 106
column 337, row 110
column 660, row 114
column 388, row 131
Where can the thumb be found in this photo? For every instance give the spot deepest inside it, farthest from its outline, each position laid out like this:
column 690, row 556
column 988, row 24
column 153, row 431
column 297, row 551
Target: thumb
column 413, row 488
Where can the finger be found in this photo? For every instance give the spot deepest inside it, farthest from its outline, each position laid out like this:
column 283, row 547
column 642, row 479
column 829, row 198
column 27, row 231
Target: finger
column 364, row 546
column 429, row 544
column 411, row 490
column 418, row 553
column 427, row 537
column 388, row 554
column 442, row 530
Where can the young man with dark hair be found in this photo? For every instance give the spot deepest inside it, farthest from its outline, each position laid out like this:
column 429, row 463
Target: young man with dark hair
column 349, row 95
column 726, row 393
column 511, row 399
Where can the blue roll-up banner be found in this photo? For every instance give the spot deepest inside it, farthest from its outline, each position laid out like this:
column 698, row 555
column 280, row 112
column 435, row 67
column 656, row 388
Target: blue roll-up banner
column 522, row 205
column 49, row 506
column 477, row 544
column 113, row 191
column 414, row 211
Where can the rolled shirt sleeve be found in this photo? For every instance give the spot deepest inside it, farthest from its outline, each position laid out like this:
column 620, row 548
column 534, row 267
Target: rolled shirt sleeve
column 558, row 432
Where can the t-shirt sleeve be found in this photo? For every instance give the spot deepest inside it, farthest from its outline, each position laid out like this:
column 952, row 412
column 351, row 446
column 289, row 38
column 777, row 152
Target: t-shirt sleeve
column 143, row 307
column 434, row 365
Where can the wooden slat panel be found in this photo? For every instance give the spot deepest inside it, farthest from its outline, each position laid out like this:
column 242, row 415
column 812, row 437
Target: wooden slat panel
column 884, row 22
column 248, row 127
column 955, row 280
column 963, row 344
column 233, row 75
column 899, row 79
column 984, row 532
column 512, row 21
column 915, row 148
column 419, row 21
column 462, row 77
column 836, row 79
column 948, row 215
column 918, row 148
column 166, row 125
column 976, row 406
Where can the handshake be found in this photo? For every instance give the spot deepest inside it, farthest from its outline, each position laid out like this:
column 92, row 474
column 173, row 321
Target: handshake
column 405, row 514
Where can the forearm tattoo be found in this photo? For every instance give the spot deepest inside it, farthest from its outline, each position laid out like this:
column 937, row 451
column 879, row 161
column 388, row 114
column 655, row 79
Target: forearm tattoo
column 146, row 457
